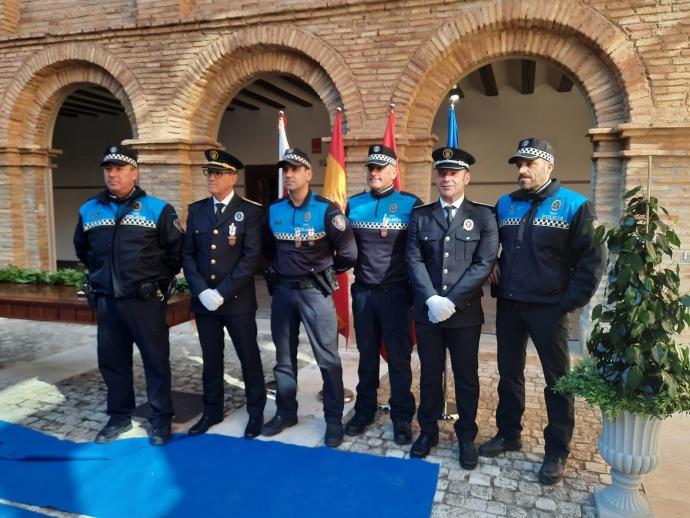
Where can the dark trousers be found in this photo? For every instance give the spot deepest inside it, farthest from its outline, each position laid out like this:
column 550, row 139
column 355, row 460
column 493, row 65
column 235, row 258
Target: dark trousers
column 289, row 307
column 383, row 313
column 242, row 329
column 547, row 326
column 463, row 346
column 121, row 323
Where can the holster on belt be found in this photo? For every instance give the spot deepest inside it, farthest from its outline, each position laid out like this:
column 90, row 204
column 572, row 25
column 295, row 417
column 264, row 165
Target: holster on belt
column 325, row 281
column 150, row 290
column 270, row 275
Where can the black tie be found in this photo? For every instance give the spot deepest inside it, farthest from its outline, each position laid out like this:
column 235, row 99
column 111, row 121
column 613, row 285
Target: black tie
column 449, row 214
column 219, row 210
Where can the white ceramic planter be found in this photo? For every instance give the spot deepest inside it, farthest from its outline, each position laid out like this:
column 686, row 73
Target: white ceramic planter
column 630, row 445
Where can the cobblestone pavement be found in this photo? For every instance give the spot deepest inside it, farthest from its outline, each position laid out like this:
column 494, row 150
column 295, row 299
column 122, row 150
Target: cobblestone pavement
column 505, row 486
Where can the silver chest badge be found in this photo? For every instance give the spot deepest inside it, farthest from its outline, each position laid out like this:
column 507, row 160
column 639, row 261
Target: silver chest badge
column 239, row 216
column 468, row 224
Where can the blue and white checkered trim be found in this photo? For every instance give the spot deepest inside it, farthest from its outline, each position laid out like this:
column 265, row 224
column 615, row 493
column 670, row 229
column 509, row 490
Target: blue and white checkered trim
column 377, row 225
column 550, row 222
column 378, row 157
column 120, row 157
column 451, row 164
column 508, row 222
column 290, row 236
column 138, row 221
column 107, row 222
column 531, row 152
column 300, row 159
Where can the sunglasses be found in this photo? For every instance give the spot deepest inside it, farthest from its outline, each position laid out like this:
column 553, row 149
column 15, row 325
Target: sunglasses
column 217, row 173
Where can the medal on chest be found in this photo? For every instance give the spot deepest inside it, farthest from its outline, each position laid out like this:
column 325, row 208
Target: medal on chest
column 384, row 226
column 232, row 235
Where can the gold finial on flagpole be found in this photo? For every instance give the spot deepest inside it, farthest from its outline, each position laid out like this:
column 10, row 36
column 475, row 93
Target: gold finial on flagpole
column 391, row 107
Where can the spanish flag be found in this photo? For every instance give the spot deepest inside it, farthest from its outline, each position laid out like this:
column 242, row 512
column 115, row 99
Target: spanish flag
column 335, row 189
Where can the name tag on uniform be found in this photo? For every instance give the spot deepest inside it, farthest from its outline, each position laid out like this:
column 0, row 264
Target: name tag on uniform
column 232, row 235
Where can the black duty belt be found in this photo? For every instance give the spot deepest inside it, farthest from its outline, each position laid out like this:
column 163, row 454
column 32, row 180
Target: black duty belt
column 297, row 283
column 391, row 286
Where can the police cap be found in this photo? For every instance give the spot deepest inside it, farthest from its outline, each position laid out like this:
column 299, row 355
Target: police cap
column 381, row 155
column 531, row 149
column 219, row 160
column 119, row 155
column 296, row 157
column 452, row 158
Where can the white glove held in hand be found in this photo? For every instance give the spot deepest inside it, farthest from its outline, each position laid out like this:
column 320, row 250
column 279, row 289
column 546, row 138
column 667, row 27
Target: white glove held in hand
column 211, row 299
column 440, row 308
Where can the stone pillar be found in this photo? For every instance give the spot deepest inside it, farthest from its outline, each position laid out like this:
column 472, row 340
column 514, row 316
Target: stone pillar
column 26, row 198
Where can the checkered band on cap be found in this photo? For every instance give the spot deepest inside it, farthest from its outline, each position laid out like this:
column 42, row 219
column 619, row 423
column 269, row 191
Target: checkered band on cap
column 378, row 157
column 451, row 164
column 300, row 159
column 120, row 157
column 535, row 152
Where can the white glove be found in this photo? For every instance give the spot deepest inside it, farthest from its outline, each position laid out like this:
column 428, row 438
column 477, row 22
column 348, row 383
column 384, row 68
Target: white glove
column 440, row 308
column 211, row 299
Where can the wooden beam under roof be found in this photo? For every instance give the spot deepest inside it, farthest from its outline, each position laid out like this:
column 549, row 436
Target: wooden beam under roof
column 262, row 99
column 298, row 83
column 65, row 112
column 565, row 85
column 96, row 104
column 529, row 68
column 78, row 111
column 283, row 93
column 110, row 100
column 246, row 106
column 488, row 80
column 76, row 103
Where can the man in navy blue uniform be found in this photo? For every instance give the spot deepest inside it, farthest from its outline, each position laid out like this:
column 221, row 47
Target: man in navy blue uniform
column 451, row 247
column 381, row 294
column 548, row 267
column 222, row 248
column 130, row 243
column 308, row 240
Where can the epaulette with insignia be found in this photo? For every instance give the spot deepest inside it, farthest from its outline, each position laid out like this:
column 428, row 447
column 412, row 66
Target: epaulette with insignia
column 482, row 204
column 425, row 205
column 252, row 201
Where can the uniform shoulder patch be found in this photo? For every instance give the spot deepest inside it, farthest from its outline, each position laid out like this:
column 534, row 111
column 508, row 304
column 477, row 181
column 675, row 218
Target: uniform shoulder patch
column 251, row 201
column 339, row 222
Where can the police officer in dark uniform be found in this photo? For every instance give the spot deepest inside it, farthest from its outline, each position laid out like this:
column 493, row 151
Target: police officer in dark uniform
column 308, row 240
column 548, row 267
column 222, row 248
column 130, row 243
column 381, row 294
column 452, row 246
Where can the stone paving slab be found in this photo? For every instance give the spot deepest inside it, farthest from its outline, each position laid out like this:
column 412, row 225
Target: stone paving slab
column 504, row 486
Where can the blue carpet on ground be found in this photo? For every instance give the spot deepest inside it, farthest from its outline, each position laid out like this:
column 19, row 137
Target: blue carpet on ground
column 210, row 475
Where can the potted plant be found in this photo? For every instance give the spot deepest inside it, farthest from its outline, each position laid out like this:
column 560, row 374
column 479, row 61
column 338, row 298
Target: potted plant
column 636, row 371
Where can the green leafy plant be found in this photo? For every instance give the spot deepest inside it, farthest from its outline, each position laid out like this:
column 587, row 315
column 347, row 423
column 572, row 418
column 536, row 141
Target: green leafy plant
column 66, row 276
column 635, row 364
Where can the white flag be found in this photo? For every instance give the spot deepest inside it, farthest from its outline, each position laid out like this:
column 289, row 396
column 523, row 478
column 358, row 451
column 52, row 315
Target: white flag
column 282, row 146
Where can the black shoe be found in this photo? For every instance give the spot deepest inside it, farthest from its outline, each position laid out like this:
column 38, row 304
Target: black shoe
column 334, row 434
column 402, row 432
column 253, row 428
column 203, row 424
column 160, row 434
column 114, row 427
column 422, row 446
column 551, row 470
column 498, row 444
column 276, row 425
column 357, row 425
column 468, row 455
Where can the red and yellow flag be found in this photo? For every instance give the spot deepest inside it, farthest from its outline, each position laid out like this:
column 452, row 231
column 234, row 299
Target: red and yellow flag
column 335, row 189
column 389, row 141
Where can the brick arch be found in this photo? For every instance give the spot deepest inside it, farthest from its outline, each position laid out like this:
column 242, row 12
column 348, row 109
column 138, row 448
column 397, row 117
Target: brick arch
column 32, row 99
column 234, row 60
column 576, row 38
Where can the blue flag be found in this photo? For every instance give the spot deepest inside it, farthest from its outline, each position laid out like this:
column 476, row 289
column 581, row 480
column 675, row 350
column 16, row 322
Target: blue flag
column 453, row 133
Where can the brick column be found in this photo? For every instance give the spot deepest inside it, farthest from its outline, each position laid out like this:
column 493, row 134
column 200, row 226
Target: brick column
column 170, row 169
column 9, row 16
column 26, row 206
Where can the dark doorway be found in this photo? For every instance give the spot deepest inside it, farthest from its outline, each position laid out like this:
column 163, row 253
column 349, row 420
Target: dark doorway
column 261, row 183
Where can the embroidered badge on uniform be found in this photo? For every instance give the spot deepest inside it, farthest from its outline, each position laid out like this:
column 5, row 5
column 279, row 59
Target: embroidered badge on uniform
column 136, row 205
column 307, row 217
column 555, row 205
column 468, row 224
column 239, row 216
column 393, row 208
column 339, row 222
